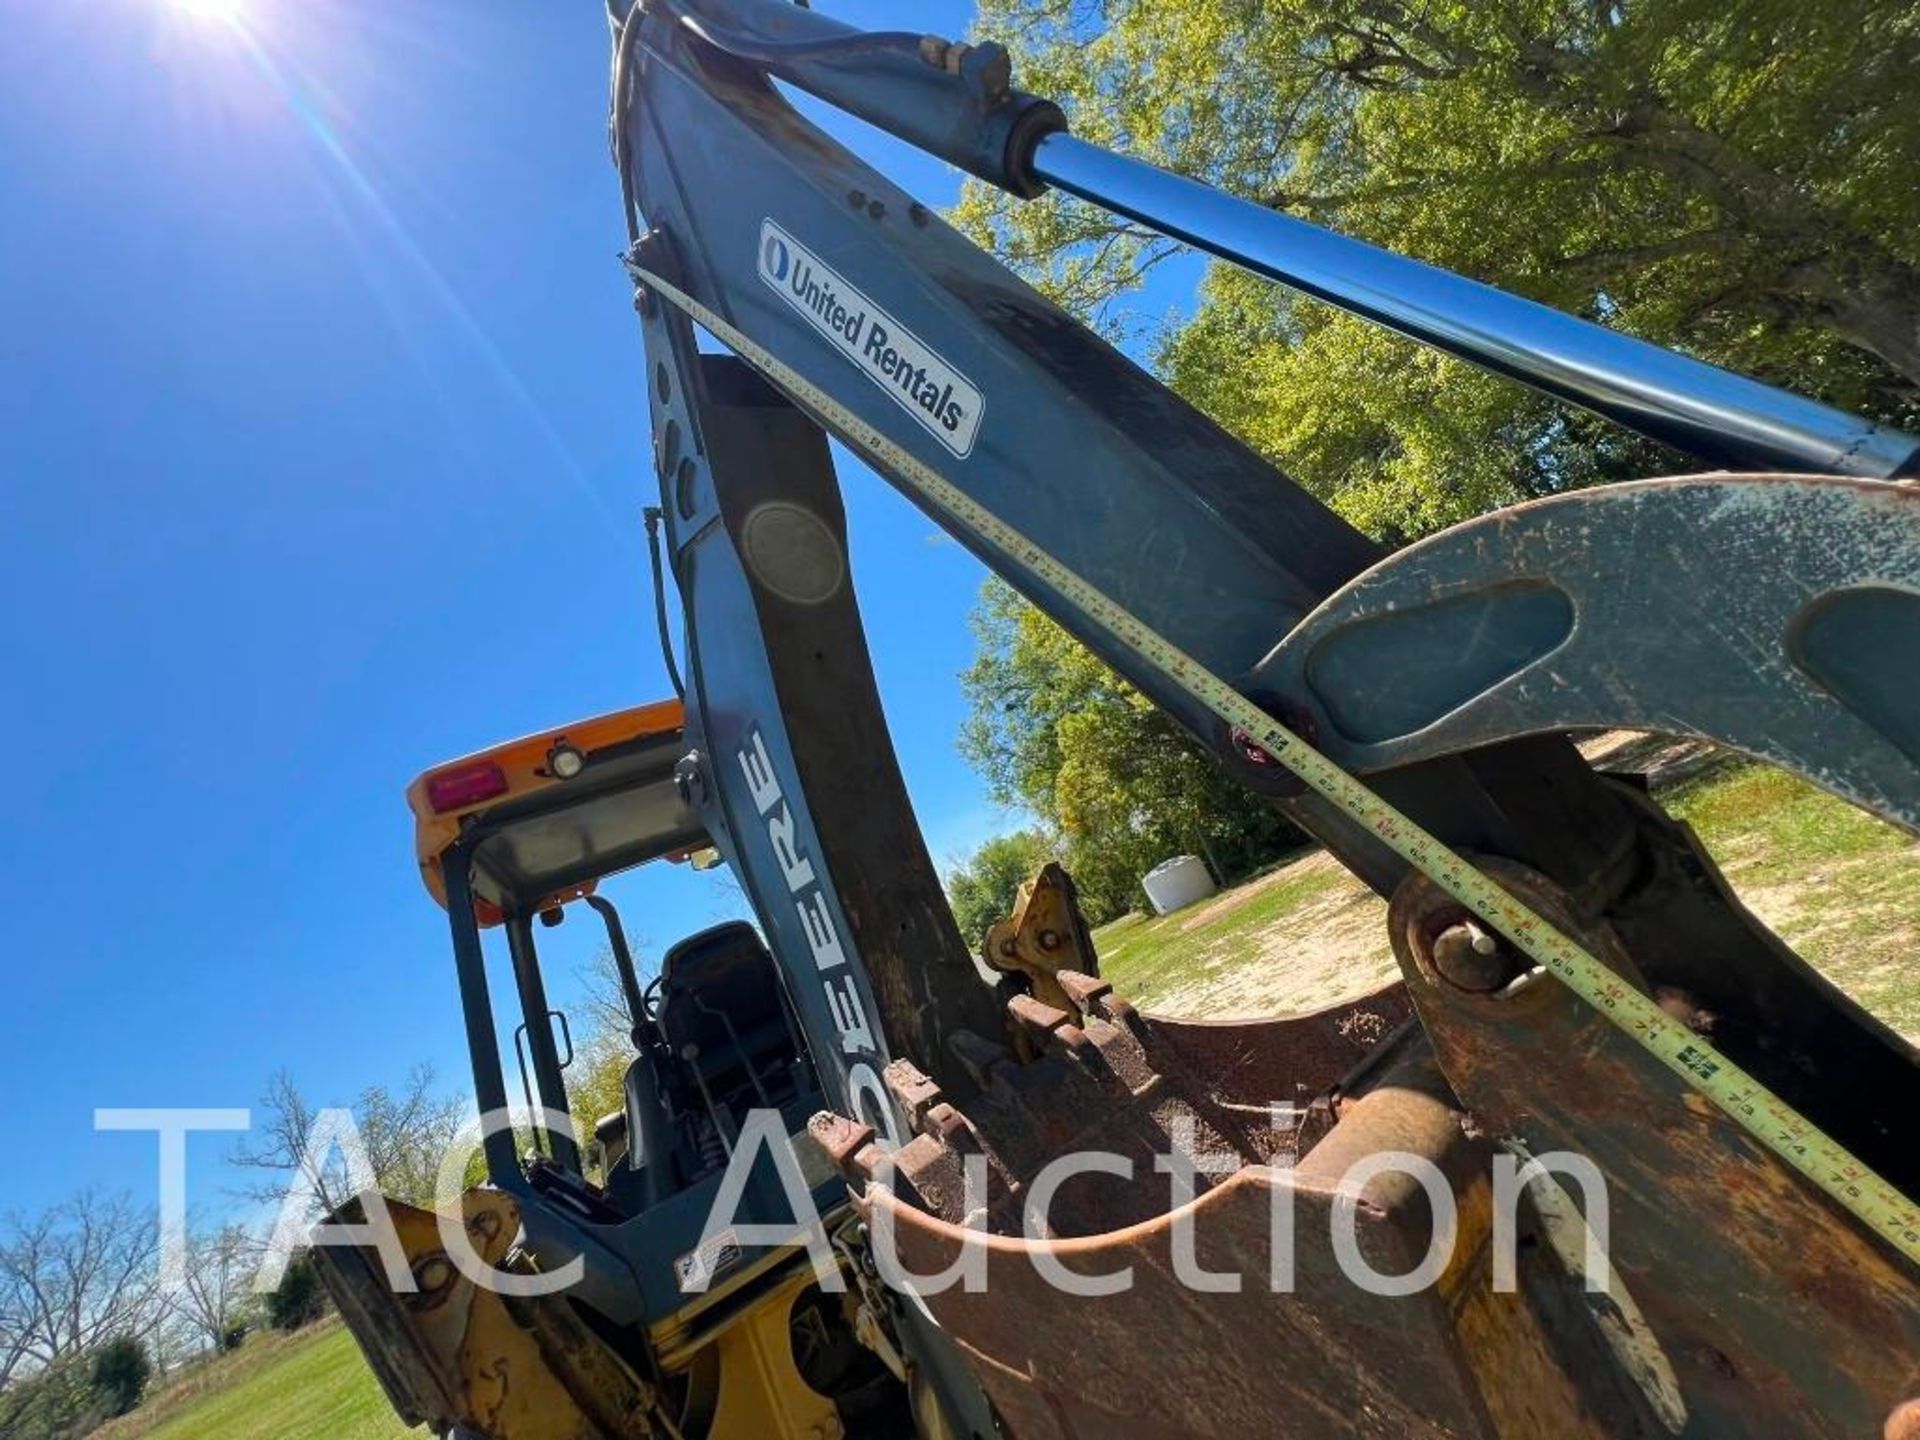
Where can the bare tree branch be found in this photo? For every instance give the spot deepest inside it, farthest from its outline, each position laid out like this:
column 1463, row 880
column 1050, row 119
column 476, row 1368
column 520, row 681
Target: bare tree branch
column 406, row 1134
column 220, row 1270
column 81, row 1273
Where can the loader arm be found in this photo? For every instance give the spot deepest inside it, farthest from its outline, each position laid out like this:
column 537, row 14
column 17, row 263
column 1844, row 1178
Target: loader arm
column 1432, row 673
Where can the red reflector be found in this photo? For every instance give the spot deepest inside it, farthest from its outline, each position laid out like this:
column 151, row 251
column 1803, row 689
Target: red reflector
column 469, row 785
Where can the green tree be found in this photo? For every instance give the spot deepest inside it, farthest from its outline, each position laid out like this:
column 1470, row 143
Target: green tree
column 55, row 1402
column 1054, row 730
column 299, row 1299
column 1730, row 178
column 982, row 890
column 596, row 1081
column 119, row 1373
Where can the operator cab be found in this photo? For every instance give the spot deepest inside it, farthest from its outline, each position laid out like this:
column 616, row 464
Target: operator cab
column 527, row 831
column 512, row 840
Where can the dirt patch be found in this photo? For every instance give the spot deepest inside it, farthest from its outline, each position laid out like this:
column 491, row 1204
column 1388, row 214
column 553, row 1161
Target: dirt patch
column 1331, row 948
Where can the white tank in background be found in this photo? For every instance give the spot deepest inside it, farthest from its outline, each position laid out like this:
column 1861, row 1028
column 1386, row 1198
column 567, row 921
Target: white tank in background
column 1174, row 884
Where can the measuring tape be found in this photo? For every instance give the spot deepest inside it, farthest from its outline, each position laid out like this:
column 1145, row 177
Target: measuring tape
column 1771, row 1121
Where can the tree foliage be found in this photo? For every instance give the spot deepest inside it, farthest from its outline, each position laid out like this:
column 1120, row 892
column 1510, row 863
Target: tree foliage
column 299, row 1299
column 983, row 888
column 596, row 1081
column 119, row 1372
column 53, row 1402
column 1054, row 730
column 1730, row 178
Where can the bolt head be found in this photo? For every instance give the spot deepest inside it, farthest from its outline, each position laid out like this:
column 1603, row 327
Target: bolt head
column 1463, row 961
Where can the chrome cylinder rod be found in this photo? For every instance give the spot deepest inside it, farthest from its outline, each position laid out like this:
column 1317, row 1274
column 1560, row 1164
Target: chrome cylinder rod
column 1712, row 413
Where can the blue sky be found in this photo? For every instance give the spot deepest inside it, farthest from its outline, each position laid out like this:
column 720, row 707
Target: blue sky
column 322, row 451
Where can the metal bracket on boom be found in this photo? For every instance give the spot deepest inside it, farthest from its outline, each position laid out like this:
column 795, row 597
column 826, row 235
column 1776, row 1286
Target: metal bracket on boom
column 1044, row 935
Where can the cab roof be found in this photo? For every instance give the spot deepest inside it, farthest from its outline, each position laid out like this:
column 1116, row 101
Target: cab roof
column 548, row 815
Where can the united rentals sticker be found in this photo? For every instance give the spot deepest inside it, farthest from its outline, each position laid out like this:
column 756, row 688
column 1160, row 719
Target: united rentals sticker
column 892, row 356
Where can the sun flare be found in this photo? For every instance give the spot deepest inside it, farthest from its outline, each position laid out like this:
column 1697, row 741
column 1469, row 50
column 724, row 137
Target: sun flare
column 227, row 12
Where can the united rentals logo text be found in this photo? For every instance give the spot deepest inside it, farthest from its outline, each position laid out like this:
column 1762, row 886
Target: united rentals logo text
column 943, row 400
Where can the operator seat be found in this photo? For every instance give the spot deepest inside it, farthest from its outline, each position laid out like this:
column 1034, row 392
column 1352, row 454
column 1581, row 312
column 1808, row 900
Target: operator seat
column 723, row 1008
column 727, row 1043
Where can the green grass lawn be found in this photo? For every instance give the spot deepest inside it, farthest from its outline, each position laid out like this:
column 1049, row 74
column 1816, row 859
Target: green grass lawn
column 1838, row 885
column 1148, row 958
column 305, row 1387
